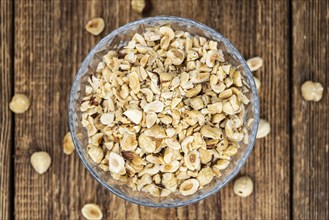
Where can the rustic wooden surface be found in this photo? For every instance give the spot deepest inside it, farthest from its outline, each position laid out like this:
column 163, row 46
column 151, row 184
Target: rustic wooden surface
column 42, row 45
column 6, row 128
column 310, row 142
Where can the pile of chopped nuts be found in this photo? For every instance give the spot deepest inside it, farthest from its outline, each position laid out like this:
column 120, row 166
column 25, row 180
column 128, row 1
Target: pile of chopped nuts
column 165, row 113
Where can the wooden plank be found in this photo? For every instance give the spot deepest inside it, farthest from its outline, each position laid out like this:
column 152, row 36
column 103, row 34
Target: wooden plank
column 268, row 165
column 249, row 26
column 51, row 43
column 310, row 122
column 6, row 78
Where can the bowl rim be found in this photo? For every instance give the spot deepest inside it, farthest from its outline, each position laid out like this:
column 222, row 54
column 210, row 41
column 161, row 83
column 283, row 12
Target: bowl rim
column 252, row 136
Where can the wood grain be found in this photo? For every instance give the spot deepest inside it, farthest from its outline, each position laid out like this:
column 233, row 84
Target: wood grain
column 249, row 25
column 6, row 119
column 310, row 121
column 260, row 28
column 50, row 43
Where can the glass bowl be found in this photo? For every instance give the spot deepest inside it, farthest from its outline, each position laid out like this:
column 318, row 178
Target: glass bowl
column 79, row 135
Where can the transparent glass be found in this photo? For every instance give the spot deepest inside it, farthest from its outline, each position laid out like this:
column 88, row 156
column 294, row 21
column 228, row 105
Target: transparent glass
column 115, row 40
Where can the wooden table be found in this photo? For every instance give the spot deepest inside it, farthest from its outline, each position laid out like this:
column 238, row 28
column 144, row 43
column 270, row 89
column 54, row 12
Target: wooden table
column 42, row 44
